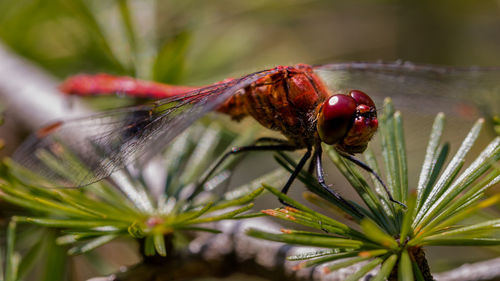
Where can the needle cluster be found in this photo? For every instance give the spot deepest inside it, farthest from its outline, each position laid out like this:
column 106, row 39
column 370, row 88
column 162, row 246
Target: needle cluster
column 387, row 235
column 88, row 217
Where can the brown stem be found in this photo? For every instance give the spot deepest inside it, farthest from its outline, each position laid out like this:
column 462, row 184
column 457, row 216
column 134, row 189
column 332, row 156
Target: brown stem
column 186, row 269
column 417, row 255
column 186, row 266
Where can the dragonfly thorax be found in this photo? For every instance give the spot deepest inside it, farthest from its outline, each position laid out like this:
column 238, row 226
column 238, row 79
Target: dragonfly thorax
column 284, row 101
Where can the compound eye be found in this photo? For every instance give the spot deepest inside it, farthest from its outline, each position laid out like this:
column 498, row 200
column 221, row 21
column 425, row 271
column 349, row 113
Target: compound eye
column 361, row 98
column 335, row 118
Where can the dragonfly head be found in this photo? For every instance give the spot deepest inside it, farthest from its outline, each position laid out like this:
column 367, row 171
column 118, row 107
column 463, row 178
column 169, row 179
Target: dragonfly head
column 347, row 121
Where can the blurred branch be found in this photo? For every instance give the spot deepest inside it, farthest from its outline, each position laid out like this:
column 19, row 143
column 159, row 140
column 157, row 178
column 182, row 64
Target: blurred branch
column 484, row 270
column 32, row 99
column 232, row 252
column 30, row 95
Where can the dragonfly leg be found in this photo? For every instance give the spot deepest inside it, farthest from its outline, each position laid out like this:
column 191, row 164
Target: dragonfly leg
column 270, row 140
column 321, row 179
column 297, row 170
column 367, row 168
column 282, row 146
column 294, row 174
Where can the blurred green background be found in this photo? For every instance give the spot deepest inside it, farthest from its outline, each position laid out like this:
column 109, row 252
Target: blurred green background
column 202, row 41
column 198, row 42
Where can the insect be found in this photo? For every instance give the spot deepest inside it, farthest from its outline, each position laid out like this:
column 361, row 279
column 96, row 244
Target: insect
column 300, row 101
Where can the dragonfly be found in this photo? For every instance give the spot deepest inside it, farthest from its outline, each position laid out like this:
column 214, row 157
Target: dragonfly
column 310, row 105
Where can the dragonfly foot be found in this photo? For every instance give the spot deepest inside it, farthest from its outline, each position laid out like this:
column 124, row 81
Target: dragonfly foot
column 286, row 204
column 397, row 202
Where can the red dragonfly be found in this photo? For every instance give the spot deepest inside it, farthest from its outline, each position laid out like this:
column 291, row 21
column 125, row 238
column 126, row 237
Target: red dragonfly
column 303, row 102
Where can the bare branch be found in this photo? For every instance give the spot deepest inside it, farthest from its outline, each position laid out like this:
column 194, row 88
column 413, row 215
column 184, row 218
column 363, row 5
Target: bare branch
column 30, row 94
column 484, row 270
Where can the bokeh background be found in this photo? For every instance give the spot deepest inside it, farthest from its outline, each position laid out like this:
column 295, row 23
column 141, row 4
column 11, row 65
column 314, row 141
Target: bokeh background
column 213, row 39
column 196, row 42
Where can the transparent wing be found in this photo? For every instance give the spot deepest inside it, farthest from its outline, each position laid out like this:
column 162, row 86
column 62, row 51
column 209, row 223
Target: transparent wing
column 82, row 151
column 461, row 92
column 420, row 92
